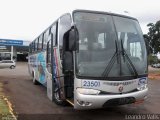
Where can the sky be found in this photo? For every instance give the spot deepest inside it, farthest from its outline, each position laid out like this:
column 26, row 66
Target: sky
column 26, row 19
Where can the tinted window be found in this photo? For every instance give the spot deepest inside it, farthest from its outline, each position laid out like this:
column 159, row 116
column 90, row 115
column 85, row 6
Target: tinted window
column 98, row 40
column 46, row 35
column 53, row 31
column 30, row 48
column 96, row 43
column 49, row 56
column 42, row 40
column 40, row 43
column 36, row 44
column 33, row 46
column 130, row 34
column 64, row 26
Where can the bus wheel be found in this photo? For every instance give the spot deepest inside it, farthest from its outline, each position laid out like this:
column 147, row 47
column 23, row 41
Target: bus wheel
column 56, row 97
column 35, row 82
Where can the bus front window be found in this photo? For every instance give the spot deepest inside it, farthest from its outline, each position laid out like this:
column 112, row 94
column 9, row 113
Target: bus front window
column 100, row 37
column 96, row 43
column 129, row 33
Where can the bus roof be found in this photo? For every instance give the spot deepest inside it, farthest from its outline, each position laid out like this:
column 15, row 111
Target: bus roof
column 102, row 12
column 87, row 11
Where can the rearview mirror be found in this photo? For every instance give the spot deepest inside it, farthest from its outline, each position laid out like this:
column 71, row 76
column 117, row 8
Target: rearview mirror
column 72, row 40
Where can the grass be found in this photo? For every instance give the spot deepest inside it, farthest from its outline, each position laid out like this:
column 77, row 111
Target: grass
column 6, row 111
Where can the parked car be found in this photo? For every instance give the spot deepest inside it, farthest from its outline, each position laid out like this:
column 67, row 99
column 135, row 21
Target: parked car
column 157, row 65
column 7, row 64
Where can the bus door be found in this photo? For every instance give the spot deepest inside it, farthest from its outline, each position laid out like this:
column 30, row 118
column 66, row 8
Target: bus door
column 67, row 80
column 54, row 76
column 48, row 71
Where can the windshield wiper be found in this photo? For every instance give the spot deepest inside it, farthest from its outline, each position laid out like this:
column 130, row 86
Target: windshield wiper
column 124, row 54
column 111, row 62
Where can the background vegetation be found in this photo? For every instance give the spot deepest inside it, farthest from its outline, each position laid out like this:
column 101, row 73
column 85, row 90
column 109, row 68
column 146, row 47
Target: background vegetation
column 153, row 41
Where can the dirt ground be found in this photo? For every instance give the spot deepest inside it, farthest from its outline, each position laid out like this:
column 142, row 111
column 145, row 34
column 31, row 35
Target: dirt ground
column 154, row 73
column 31, row 103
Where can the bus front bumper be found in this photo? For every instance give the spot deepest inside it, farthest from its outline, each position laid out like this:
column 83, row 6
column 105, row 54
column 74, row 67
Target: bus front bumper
column 99, row 101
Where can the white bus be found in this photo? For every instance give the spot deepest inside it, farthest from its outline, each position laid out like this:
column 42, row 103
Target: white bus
column 91, row 59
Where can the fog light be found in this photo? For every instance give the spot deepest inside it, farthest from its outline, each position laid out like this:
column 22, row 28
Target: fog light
column 145, row 97
column 83, row 103
column 87, row 103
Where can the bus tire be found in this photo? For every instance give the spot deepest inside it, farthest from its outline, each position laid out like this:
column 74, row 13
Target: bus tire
column 56, row 97
column 35, row 82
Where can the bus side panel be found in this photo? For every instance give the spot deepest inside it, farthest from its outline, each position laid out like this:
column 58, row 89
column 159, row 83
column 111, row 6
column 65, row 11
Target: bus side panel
column 41, row 68
column 37, row 66
column 31, row 64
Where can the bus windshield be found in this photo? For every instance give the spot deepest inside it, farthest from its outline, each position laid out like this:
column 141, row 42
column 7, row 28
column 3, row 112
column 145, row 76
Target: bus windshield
column 102, row 41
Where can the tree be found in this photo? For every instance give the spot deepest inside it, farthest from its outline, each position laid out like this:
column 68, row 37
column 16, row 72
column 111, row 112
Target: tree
column 153, row 37
column 152, row 59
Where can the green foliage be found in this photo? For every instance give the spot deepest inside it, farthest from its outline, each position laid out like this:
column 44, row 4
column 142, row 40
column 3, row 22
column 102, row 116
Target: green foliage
column 152, row 59
column 153, row 37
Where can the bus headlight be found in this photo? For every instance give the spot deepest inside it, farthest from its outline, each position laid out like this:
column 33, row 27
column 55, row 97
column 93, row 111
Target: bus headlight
column 142, row 84
column 88, row 91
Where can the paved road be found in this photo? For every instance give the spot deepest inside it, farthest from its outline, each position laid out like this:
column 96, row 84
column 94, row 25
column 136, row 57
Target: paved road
column 31, row 101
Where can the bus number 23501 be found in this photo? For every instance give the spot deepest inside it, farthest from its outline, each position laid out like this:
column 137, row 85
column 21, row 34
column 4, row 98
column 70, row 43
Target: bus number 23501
column 90, row 83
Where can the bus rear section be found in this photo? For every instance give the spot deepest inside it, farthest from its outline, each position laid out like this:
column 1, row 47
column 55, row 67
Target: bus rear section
column 97, row 59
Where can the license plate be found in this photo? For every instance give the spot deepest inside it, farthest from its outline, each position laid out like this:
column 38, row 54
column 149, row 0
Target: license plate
column 128, row 100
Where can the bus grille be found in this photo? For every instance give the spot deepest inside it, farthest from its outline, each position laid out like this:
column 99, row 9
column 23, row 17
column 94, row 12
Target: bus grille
column 119, row 101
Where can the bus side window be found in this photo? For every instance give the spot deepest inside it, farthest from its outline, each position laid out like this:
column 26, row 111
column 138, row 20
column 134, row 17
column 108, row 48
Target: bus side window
column 36, row 44
column 53, row 31
column 64, row 26
column 33, row 46
column 49, row 56
column 30, row 48
column 42, row 40
column 40, row 43
column 46, row 35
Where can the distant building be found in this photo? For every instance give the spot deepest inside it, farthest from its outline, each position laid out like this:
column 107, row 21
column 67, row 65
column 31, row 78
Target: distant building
column 13, row 49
